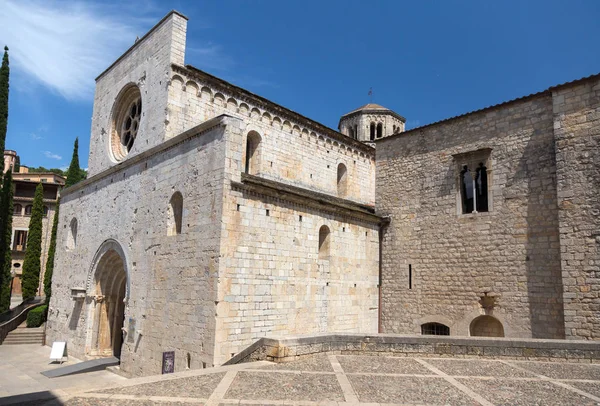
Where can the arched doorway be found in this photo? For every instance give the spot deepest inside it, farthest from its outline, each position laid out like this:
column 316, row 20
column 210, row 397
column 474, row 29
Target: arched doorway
column 109, row 289
column 486, row 326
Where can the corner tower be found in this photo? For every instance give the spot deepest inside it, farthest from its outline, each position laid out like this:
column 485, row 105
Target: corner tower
column 370, row 122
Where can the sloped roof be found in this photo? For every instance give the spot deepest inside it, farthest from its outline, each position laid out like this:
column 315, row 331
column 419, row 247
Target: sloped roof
column 373, row 108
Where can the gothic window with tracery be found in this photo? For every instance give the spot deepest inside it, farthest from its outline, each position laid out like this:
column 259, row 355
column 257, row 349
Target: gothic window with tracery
column 474, row 179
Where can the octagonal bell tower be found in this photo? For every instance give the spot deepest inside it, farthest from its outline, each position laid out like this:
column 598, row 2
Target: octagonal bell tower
column 371, row 122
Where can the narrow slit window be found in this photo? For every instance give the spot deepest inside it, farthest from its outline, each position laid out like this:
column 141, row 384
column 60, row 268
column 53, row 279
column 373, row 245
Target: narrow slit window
column 252, row 153
column 324, row 242
column 342, row 180
column 175, row 214
column 481, row 188
column 467, row 190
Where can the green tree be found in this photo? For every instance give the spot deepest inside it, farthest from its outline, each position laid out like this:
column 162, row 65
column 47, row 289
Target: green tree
column 51, row 251
column 4, row 73
column 6, row 210
column 74, row 174
column 33, row 251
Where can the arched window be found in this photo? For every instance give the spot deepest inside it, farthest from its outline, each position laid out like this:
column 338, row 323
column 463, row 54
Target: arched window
column 175, row 214
column 17, row 209
column 379, row 130
column 436, row 329
column 356, row 132
column 342, row 180
column 72, row 235
column 28, row 209
column 466, row 189
column 474, row 191
column 45, row 211
column 351, row 132
column 252, row 153
column 324, row 242
column 372, row 132
column 486, row 326
column 481, row 188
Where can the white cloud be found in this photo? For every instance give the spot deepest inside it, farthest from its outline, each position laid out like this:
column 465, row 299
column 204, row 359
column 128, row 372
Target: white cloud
column 65, row 45
column 52, row 155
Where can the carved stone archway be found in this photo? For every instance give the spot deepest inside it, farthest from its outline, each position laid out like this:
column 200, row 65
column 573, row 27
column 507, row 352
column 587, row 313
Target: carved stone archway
column 108, row 290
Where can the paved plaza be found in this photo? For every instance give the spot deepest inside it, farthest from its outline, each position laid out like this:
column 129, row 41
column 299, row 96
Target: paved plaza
column 317, row 380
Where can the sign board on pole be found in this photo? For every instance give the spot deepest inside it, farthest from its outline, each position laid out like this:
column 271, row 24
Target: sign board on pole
column 168, row 366
column 59, row 351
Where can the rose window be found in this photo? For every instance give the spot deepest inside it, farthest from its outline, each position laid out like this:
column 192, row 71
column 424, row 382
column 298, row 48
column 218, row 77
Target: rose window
column 131, row 123
column 126, row 122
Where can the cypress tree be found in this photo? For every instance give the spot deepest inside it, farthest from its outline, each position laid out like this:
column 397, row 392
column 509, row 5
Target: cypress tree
column 6, row 211
column 4, row 73
column 33, row 251
column 74, row 174
column 51, row 251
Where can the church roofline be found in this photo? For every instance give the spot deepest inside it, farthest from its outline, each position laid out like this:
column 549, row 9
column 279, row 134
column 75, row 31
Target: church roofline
column 376, row 110
column 140, row 40
column 196, row 131
column 548, row 91
column 281, row 110
column 371, row 111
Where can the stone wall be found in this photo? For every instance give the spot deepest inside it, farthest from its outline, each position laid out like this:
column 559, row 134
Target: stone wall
column 172, row 280
column 577, row 132
column 146, row 64
column 271, row 278
column 286, row 349
column 292, row 150
column 510, row 253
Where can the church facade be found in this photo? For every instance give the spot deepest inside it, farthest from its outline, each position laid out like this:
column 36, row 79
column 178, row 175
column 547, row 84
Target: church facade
column 212, row 217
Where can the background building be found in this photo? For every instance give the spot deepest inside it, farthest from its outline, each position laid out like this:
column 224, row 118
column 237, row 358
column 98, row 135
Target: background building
column 24, row 184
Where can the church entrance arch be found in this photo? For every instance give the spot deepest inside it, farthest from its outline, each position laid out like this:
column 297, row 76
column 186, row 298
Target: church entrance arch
column 107, row 286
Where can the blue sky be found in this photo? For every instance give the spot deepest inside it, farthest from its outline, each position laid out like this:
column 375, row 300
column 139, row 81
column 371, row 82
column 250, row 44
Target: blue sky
column 426, row 60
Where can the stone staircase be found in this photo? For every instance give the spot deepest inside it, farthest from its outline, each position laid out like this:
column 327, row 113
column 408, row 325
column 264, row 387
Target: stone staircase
column 24, row 335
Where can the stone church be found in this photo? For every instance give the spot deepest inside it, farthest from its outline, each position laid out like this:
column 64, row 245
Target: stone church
column 212, row 217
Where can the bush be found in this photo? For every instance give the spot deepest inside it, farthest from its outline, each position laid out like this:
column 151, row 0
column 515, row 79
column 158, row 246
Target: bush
column 37, row 316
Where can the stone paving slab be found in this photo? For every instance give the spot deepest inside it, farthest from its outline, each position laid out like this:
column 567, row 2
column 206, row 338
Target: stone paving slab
column 322, row 380
column 525, row 393
column 476, row 367
column 409, row 390
column 560, row 370
column 318, row 363
column 201, row 386
column 589, row 387
column 79, row 401
column 374, row 364
column 285, row 386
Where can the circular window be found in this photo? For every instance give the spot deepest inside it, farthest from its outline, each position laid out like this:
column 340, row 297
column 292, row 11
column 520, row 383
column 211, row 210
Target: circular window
column 17, row 265
column 126, row 122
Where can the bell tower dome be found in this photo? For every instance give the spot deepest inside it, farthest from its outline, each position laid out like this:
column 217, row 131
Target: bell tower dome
column 371, row 122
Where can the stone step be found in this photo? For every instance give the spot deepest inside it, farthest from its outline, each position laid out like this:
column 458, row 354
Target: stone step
column 24, row 332
column 23, row 341
column 24, row 336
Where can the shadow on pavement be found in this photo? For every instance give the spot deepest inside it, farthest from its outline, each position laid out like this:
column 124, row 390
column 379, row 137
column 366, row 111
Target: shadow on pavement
column 45, row 398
